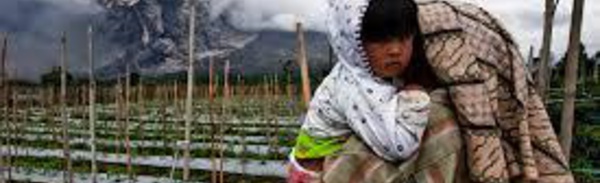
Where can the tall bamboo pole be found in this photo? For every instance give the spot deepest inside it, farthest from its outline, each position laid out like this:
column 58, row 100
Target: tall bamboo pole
column 567, row 121
column 226, row 96
column 303, row 62
column 277, row 93
column 543, row 71
column 226, row 86
column 211, row 96
column 11, row 129
column 4, row 96
column 119, row 113
column 92, row 103
column 266, row 109
column 241, row 95
column 141, row 109
column 68, row 175
column 5, row 121
column 163, row 97
column 127, row 116
column 53, row 123
column 190, row 90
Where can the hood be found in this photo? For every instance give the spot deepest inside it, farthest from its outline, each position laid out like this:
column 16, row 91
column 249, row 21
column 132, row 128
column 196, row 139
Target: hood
column 344, row 21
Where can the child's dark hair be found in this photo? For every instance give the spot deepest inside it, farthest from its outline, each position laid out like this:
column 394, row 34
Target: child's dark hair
column 389, row 19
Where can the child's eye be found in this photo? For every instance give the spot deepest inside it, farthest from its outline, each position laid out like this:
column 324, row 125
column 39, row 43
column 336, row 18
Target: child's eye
column 422, row 110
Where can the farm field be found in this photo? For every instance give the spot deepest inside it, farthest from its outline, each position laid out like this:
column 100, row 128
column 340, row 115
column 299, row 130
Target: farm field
column 248, row 134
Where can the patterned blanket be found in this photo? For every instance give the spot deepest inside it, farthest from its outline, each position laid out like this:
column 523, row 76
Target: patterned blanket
column 506, row 129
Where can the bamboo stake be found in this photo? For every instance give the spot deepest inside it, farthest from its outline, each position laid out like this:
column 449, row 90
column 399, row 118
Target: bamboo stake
column 190, row 90
column 221, row 131
column 11, row 130
column 302, row 61
column 92, row 103
column 24, row 112
column 176, row 109
column 226, row 87
column 4, row 96
column 52, row 122
column 172, row 129
column 126, row 128
column 267, row 111
column 568, row 112
column 119, row 113
column 543, row 78
column 163, row 96
column 276, row 107
column 242, row 121
column 211, row 95
column 10, row 116
column 75, row 100
column 141, row 109
column 68, row 175
column 266, row 108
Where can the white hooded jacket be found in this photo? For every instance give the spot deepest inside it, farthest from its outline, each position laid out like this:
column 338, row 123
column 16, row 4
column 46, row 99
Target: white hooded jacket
column 351, row 100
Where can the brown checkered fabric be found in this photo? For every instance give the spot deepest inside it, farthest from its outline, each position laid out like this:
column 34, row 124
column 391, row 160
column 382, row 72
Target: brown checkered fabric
column 508, row 135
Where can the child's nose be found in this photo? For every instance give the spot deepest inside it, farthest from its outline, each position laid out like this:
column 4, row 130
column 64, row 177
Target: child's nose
column 395, row 49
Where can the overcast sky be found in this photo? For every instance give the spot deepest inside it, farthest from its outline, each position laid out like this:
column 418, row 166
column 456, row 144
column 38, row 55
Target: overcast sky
column 523, row 18
column 36, row 24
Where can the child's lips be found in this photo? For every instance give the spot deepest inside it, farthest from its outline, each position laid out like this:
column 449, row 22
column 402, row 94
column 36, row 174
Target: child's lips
column 393, row 64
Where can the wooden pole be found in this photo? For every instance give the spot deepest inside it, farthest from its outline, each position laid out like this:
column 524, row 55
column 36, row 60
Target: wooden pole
column 4, row 106
column 119, row 114
column 126, row 128
column 68, row 175
column 567, row 121
column 543, row 71
column 276, row 108
column 141, row 109
column 11, row 128
column 54, row 126
column 241, row 95
column 226, row 96
column 163, row 97
column 211, row 98
column 190, row 90
column 226, row 86
column 302, row 61
column 266, row 109
column 176, row 102
column 92, row 103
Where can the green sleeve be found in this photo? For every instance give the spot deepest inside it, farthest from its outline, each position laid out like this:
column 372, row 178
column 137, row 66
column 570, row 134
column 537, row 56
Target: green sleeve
column 308, row 147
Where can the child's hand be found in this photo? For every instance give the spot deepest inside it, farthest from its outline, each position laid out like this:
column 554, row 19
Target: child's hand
column 303, row 171
column 414, row 106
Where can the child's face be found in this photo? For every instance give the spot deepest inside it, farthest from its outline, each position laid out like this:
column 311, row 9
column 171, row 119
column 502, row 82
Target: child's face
column 389, row 58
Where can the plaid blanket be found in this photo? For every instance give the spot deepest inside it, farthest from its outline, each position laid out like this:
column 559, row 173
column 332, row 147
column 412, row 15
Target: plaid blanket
column 440, row 157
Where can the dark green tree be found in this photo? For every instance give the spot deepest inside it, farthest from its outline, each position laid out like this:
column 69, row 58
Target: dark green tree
column 52, row 78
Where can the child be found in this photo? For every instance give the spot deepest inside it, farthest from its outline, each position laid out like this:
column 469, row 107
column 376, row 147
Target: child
column 376, row 91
